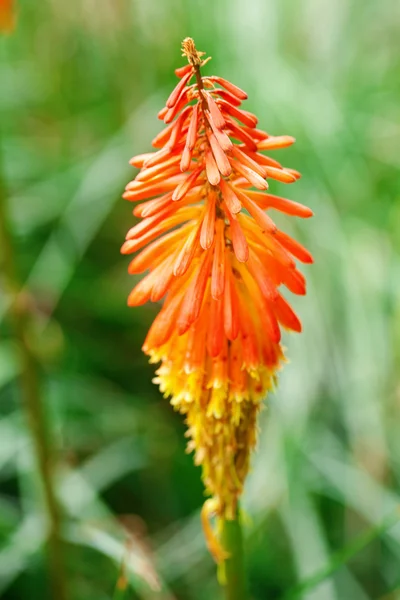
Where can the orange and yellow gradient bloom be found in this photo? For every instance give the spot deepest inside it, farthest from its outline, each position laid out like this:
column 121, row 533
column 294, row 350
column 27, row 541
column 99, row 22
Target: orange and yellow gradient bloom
column 219, row 261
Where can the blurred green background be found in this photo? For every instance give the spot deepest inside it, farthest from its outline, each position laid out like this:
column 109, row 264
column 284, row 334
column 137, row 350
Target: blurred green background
column 80, row 86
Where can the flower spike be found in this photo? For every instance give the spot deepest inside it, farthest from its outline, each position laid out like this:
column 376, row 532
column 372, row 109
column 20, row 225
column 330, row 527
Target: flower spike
column 219, row 261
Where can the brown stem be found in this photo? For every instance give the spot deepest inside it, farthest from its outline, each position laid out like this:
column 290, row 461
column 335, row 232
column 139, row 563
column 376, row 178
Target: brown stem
column 20, row 317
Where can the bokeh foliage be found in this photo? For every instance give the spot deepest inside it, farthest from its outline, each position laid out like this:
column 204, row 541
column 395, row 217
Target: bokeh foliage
column 80, row 86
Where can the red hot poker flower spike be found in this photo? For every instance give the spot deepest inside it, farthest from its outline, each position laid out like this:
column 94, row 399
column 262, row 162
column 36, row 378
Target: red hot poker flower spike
column 217, row 335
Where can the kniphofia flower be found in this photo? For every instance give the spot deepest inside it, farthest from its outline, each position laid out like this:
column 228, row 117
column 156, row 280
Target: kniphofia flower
column 219, row 262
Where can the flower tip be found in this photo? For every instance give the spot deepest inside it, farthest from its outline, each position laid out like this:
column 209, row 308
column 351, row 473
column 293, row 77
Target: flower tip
column 137, row 161
column 127, row 246
column 294, row 173
column 276, row 142
column 130, row 302
column 191, row 53
column 182, row 71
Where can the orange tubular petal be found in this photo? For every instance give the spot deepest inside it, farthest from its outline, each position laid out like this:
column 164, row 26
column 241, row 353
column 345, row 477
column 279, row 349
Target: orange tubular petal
column 177, row 128
column 261, row 276
column 146, row 192
column 186, row 159
column 237, row 375
column 264, row 305
column 289, row 207
column 231, row 303
column 142, row 192
column 267, row 241
column 218, row 266
column 161, row 113
column 163, row 175
column 155, row 251
column 183, row 214
column 164, row 324
column 222, row 139
column 257, row 134
column 193, row 125
column 261, row 159
column 251, row 176
column 181, row 71
column 193, row 298
column 233, row 89
column 215, row 112
column 215, row 335
column 280, row 175
column 183, row 188
column 238, row 238
column 208, row 225
column 285, row 315
column 139, row 159
column 293, row 172
column 212, row 172
column 196, row 344
column 243, row 116
column 187, row 253
column 220, row 156
column 230, row 198
column 151, row 207
column 176, row 92
column 160, row 168
column 172, row 112
column 270, row 323
column 190, row 139
column 240, row 134
column 140, row 186
column 274, row 143
column 301, row 253
column 164, row 154
column 162, row 137
column 163, row 281
column 246, row 160
column 249, row 342
column 265, row 222
column 150, row 222
column 142, row 291
column 225, row 95
column 294, row 281
column 239, row 242
column 288, row 276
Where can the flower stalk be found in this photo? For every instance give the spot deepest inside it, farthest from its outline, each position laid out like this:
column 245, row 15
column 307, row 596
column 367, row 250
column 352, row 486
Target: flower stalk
column 20, row 318
column 233, row 572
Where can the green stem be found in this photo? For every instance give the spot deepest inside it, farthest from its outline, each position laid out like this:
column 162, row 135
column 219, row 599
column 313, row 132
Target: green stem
column 234, row 574
column 20, row 318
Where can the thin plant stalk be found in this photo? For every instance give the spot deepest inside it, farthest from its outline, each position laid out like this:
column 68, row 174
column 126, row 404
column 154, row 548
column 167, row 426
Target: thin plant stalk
column 234, row 579
column 20, row 318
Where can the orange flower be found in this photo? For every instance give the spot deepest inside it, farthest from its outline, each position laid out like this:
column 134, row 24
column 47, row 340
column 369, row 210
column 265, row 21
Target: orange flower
column 219, row 268
column 7, row 17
